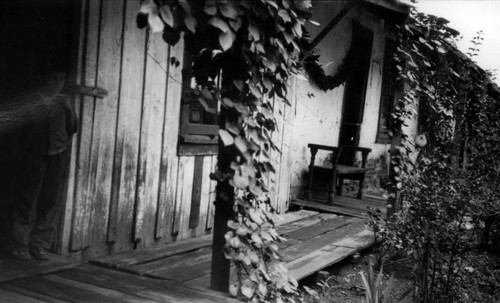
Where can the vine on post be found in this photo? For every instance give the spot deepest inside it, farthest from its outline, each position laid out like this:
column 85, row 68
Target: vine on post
column 248, row 51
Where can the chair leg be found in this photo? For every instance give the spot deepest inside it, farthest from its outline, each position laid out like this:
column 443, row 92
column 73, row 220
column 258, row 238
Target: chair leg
column 361, row 185
column 331, row 188
column 311, row 173
column 339, row 187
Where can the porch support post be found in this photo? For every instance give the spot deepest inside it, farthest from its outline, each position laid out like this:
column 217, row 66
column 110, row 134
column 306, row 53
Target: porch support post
column 224, row 211
column 220, row 269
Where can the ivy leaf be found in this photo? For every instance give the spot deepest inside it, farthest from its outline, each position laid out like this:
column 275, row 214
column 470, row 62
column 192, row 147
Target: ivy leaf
column 210, row 7
column 227, row 10
column 284, row 15
column 288, row 37
column 297, row 28
column 148, row 7
column 233, row 127
column 255, row 216
column 170, row 35
column 248, row 170
column 166, row 15
column 190, row 22
column 236, row 24
column 240, row 181
column 206, row 94
column 263, row 289
column 253, row 31
column 226, row 40
column 302, row 4
column 255, row 237
column 185, row 6
column 241, row 108
column 315, row 23
column 238, row 84
column 247, row 291
column 219, row 23
column 227, row 102
column 142, row 20
column 233, row 289
column 241, row 144
column 226, row 137
column 255, row 188
column 155, row 23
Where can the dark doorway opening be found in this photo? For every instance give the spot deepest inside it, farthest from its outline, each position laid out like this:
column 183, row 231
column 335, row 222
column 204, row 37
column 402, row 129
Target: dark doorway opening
column 355, row 89
column 36, row 37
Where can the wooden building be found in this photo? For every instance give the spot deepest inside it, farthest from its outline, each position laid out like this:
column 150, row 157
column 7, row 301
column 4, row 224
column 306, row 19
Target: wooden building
column 140, row 162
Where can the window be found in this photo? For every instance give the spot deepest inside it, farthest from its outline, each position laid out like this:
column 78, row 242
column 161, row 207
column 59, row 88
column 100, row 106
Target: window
column 198, row 131
column 388, row 95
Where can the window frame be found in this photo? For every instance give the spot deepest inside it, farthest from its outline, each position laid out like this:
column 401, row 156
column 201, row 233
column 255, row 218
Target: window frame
column 388, row 93
column 195, row 138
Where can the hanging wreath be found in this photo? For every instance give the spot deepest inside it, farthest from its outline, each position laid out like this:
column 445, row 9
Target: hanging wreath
column 317, row 75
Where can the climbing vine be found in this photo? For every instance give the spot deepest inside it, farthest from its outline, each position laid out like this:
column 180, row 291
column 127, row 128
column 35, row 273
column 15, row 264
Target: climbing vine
column 436, row 174
column 248, row 51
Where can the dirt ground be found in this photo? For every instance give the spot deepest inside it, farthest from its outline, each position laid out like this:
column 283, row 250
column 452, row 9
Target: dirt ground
column 342, row 282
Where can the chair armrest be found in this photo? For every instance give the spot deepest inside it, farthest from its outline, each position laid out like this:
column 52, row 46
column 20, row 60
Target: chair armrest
column 364, row 153
column 356, row 148
column 322, row 147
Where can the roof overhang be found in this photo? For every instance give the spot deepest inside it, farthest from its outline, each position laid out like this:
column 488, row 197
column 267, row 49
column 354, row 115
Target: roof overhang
column 393, row 10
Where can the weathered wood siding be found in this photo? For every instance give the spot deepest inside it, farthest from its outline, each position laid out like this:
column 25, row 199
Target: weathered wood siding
column 127, row 187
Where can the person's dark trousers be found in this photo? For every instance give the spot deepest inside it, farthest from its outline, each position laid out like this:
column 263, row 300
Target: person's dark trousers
column 40, row 186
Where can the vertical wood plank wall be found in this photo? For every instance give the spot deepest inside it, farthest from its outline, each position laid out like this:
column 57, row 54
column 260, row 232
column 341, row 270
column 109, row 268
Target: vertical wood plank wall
column 128, row 188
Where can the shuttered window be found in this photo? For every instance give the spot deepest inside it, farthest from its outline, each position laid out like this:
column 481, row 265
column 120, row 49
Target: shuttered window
column 388, row 95
column 198, row 132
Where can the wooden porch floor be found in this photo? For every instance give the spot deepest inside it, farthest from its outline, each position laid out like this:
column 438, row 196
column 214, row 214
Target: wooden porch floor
column 94, row 284
column 344, row 205
column 180, row 272
column 315, row 241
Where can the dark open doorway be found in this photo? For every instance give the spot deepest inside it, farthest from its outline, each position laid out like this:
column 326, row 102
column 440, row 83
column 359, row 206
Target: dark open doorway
column 36, row 37
column 355, row 89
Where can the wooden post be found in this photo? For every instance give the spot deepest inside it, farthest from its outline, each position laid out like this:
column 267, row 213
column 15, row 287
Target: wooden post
column 331, row 187
column 219, row 277
column 314, row 150
column 224, row 200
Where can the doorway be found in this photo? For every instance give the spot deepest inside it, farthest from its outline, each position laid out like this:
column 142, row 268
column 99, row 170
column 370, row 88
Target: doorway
column 355, row 89
column 36, row 38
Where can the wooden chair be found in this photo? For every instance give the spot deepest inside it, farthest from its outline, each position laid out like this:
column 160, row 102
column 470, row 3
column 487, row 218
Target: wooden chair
column 337, row 170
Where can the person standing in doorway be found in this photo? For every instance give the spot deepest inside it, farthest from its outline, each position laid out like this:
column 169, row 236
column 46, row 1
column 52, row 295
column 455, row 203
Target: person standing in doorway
column 46, row 137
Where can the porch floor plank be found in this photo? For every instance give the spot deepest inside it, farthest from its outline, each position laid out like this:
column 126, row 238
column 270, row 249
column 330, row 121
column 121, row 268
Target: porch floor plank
column 8, row 296
column 91, row 283
column 343, row 205
column 124, row 260
column 321, row 238
column 13, row 269
column 314, row 243
column 329, row 254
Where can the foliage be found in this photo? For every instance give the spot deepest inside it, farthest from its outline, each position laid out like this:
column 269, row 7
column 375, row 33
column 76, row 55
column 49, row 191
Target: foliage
column 432, row 176
column 245, row 53
column 374, row 286
column 317, row 75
